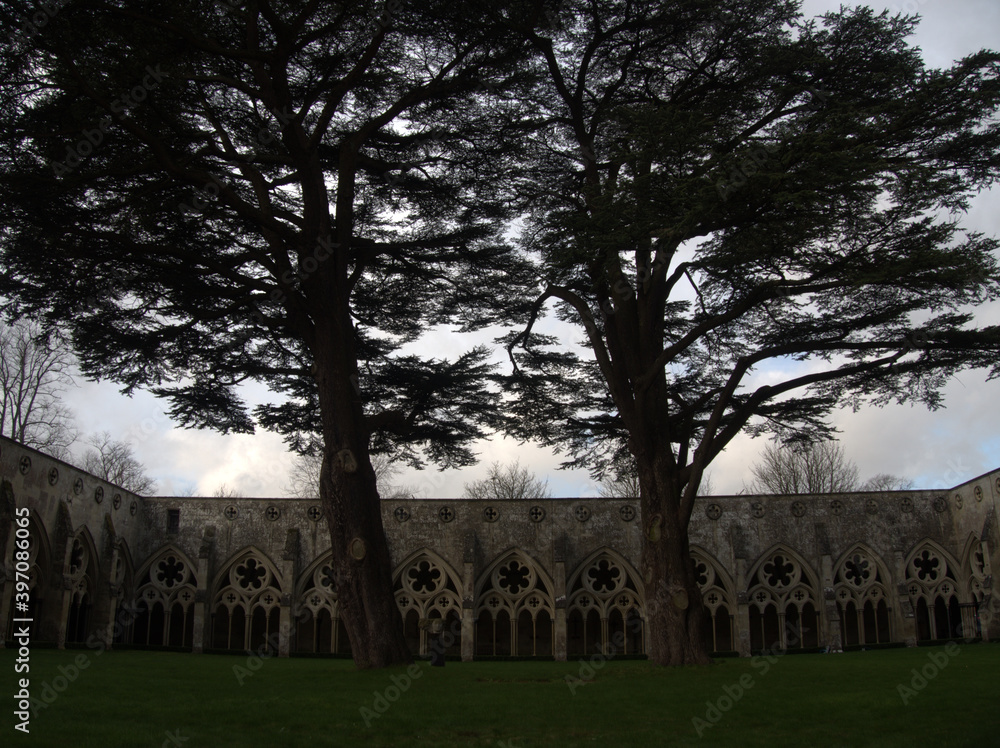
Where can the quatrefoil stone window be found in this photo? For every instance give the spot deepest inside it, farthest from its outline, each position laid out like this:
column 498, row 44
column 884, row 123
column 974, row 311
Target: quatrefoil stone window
column 230, row 512
column 424, row 577
column 314, row 513
column 490, row 514
column 446, row 513
column 272, row 512
column 627, row 512
column 582, row 513
column 514, row 577
column 927, row 566
column 170, row 571
column 780, row 572
column 798, row 508
column 713, row 511
column 250, row 574
column 857, row 570
column 54, row 476
column 906, row 505
column 871, row 506
column 24, row 465
column 757, row 509
column 536, row 514
column 401, row 513
column 837, row 507
column 604, row 576
column 940, row 504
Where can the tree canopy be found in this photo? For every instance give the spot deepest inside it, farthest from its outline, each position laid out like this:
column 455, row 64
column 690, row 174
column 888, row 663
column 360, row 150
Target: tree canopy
column 728, row 186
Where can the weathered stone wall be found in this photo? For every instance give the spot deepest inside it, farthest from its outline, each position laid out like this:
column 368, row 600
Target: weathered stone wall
column 800, row 555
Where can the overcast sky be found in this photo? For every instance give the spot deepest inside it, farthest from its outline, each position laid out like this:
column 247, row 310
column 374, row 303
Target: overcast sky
column 934, row 449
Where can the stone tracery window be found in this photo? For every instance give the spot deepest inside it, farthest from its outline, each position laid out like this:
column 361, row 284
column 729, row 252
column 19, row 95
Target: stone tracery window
column 317, row 624
column 716, row 592
column 933, row 590
column 425, row 589
column 246, row 608
column 784, row 610
column 860, row 592
column 515, row 611
column 604, row 606
column 164, row 610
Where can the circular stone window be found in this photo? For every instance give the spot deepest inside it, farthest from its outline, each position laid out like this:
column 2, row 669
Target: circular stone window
column 713, row 511
column 53, row 476
column 757, row 509
column 491, row 514
column 582, row 513
column 627, row 512
column 536, row 513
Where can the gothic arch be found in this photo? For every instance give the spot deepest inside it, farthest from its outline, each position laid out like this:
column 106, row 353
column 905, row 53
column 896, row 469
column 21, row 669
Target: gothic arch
column 934, row 584
column 605, row 608
column 975, row 569
column 515, row 609
column 318, row 627
column 247, row 602
column 166, row 589
column 718, row 597
column 82, row 571
column 426, row 586
column 122, row 578
column 862, row 586
column 784, row 595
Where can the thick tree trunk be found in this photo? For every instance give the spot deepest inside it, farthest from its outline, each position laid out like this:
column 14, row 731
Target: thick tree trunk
column 362, row 568
column 674, row 609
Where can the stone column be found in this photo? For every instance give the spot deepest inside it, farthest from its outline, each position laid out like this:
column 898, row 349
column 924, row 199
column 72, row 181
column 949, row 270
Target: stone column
column 202, row 613
column 285, row 625
column 468, row 610
column 559, row 622
column 742, row 609
column 903, row 617
column 829, row 633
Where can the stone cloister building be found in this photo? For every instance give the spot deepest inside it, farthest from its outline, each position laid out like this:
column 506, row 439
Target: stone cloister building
column 544, row 578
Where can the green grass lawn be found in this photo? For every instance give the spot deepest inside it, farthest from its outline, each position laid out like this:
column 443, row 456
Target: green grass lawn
column 134, row 698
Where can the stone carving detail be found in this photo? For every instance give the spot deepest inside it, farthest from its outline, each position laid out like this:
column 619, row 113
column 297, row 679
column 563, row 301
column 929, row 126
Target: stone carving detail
column 99, row 494
column 24, row 464
column 627, row 512
column 871, row 506
column 272, row 512
column 491, row 514
column 133, row 507
column 231, row 512
column 906, row 505
column 582, row 513
column 713, row 511
column 536, row 513
column 53, row 476
column 798, row 508
column 78, row 486
column 446, row 513
column 116, row 502
column 837, row 507
column 757, row 509
column 958, row 501
column 401, row 513
column 315, row 512
column 940, row 504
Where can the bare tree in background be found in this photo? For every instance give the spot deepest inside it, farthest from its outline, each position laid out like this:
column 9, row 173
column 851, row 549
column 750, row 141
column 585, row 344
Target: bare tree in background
column 508, row 481
column 225, row 492
column 114, row 461
column 623, row 483
column 303, row 481
column 33, row 374
column 886, row 482
column 822, row 467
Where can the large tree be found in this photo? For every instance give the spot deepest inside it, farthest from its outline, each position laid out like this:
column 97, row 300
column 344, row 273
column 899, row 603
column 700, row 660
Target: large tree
column 728, row 186
column 206, row 194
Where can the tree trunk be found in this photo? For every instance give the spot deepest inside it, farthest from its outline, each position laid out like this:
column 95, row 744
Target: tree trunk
column 362, row 568
column 674, row 609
